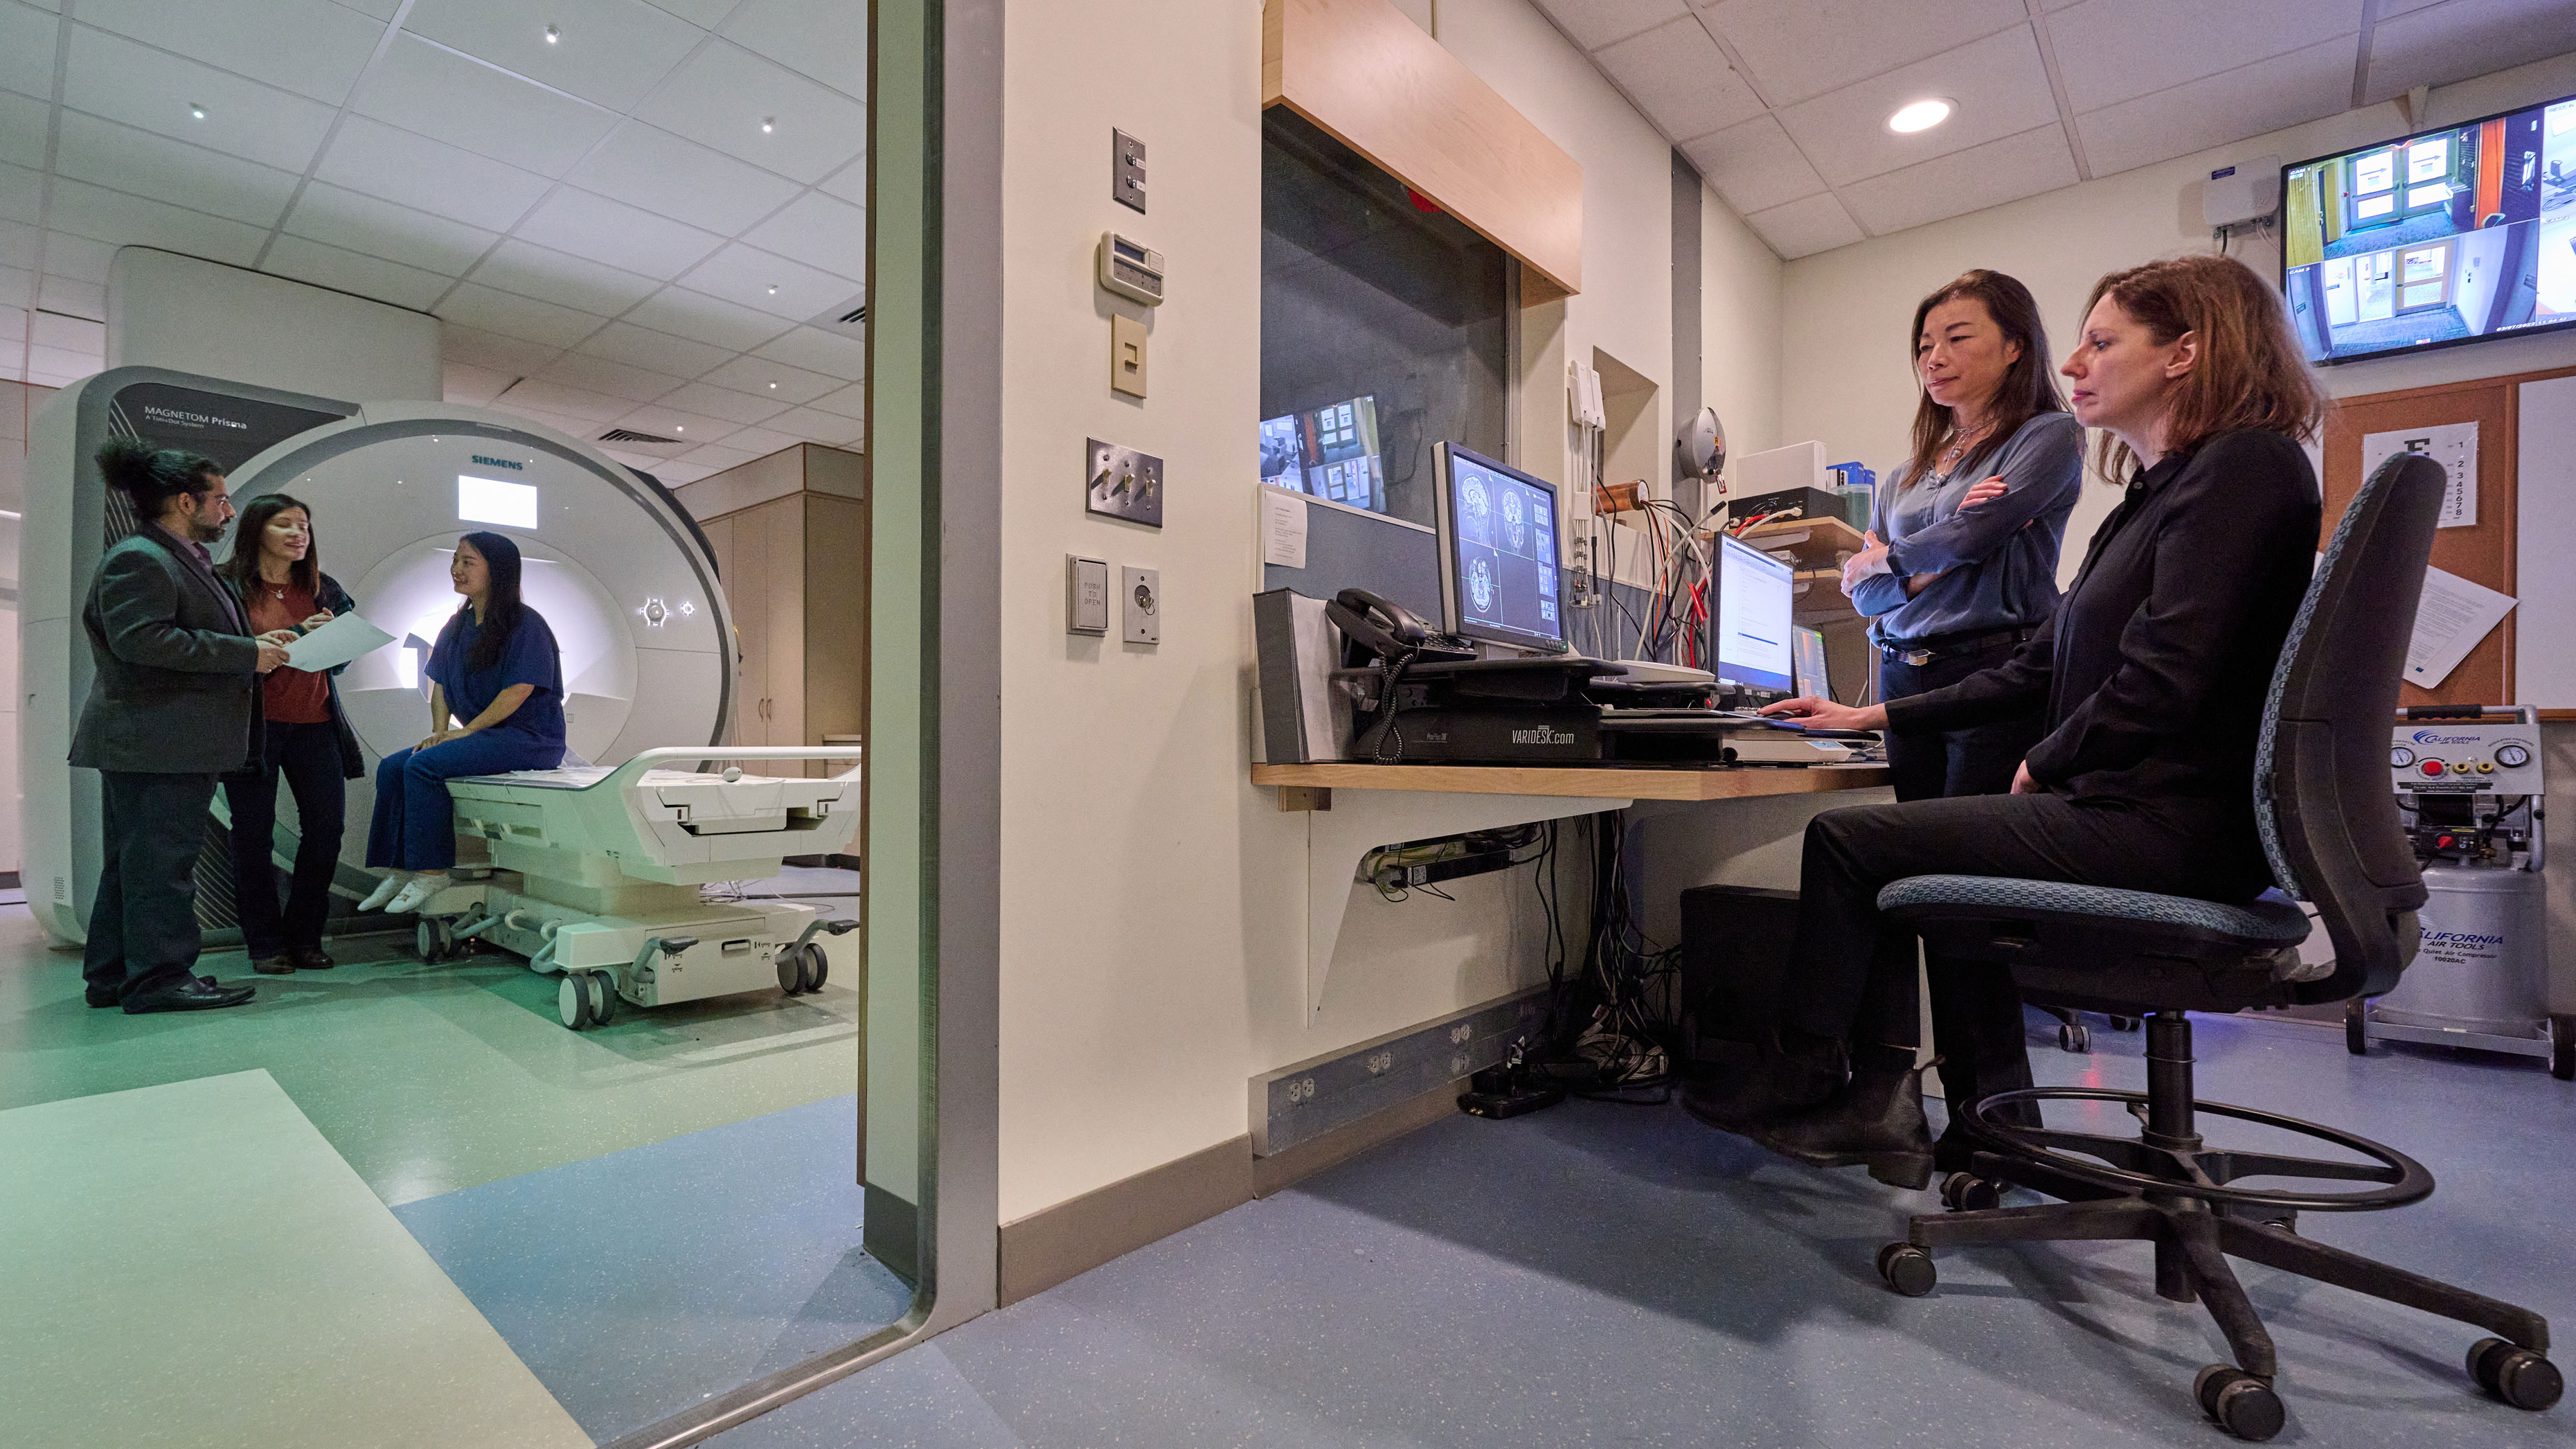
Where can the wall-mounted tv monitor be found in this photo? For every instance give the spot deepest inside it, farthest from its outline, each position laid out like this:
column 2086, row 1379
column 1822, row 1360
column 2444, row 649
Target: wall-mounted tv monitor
column 1330, row 452
column 1498, row 558
column 2434, row 239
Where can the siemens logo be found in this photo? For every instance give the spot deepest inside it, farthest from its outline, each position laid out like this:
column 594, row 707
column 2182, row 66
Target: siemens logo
column 499, row 463
column 1543, row 736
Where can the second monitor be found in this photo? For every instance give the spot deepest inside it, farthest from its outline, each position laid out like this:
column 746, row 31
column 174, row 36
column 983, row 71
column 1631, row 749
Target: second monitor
column 1750, row 644
column 1499, row 571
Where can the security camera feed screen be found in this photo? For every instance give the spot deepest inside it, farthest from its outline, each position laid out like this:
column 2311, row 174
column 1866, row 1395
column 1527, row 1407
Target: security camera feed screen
column 2433, row 240
column 1330, row 452
column 1504, row 551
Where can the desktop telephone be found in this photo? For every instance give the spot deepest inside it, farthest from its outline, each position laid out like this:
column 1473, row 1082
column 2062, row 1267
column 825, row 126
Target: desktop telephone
column 1375, row 629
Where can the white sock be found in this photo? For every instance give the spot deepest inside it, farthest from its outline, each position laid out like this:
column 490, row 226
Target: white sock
column 386, row 889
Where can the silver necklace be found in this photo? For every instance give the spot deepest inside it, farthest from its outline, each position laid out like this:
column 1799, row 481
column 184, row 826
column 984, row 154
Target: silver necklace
column 1959, row 446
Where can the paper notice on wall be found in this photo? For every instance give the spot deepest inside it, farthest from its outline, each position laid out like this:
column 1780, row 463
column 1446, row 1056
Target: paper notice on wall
column 2453, row 617
column 2453, row 445
column 1283, row 528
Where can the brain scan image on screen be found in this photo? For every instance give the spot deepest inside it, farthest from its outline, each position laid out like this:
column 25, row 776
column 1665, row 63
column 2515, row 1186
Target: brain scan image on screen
column 1515, row 526
column 1480, row 585
column 1475, row 510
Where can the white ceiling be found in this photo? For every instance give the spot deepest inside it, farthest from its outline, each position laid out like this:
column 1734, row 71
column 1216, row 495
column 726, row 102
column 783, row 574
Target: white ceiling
column 609, row 234
column 1782, row 104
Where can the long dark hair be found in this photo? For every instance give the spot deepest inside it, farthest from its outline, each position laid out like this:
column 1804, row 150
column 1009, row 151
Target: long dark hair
column 502, row 610
column 242, row 564
column 2029, row 385
column 150, row 477
column 2251, row 372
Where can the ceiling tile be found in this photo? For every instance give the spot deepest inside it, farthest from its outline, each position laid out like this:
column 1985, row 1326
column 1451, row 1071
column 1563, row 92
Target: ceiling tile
column 1680, row 79
column 512, row 355
column 671, row 422
column 761, row 442
column 1802, row 228
column 2110, row 51
column 754, row 278
column 819, row 231
column 681, row 180
column 611, row 51
column 114, row 217
column 55, row 367
column 27, row 37
column 616, row 379
column 2388, row 9
column 1596, row 23
column 562, row 278
column 760, row 376
column 851, row 401
column 816, row 350
column 608, row 231
column 311, row 47
column 24, row 121
column 18, row 244
column 22, row 193
column 555, row 397
column 463, row 382
column 514, row 316
column 850, row 183
column 673, row 474
column 453, row 98
column 702, row 13
column 654, row 351
column 431, row 176
column 125, row 159
column 717, row 459
column 111, row 76
column 1755, row 166
column 72, row 334
column 1964, row 181
column 1799, row 49
column 720, row 402
column 77, row 257
column 825, row 39
column 72, row 299
column 17, row 294
column 2250, row 100
column 723, row 96
column 2463, row 38
column 381, row 9
column 2001, row 88
column 816, row 426
column 346, row 271
column 702, row 318
column 584, row 429
column 344, row 218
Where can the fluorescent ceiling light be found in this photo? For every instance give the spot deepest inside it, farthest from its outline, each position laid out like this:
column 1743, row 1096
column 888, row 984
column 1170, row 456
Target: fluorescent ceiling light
column 1919, row 116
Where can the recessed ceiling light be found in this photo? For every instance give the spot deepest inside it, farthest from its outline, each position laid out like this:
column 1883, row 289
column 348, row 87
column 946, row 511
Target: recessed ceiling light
column 768, row 124
column 680, row 428
column 553, row 34
column 1919, row 116
column 773, row 290
column 773, row 385
column 197, row 111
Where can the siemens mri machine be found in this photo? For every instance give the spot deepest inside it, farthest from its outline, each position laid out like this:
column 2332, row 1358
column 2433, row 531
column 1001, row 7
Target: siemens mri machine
column 594, row 870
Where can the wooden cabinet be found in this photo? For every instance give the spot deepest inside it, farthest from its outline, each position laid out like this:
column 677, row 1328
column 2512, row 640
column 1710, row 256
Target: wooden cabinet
column 790, row 538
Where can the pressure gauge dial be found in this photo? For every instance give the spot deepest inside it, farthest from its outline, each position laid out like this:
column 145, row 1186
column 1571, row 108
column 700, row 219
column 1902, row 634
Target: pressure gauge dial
column 2512, row 757
column 2399, row 757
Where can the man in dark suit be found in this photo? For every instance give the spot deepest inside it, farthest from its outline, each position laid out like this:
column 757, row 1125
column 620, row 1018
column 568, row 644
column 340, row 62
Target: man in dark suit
column 173, row 705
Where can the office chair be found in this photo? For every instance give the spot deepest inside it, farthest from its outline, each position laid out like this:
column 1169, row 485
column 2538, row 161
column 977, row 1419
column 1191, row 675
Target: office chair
column 2330, row 828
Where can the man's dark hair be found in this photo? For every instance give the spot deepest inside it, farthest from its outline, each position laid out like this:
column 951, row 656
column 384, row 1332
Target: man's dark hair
column 151, row 477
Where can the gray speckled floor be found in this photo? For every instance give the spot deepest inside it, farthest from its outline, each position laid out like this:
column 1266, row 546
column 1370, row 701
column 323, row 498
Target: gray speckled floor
column 1612, row 1275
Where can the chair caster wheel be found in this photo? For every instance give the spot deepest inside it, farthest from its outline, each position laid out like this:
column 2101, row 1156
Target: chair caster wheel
column 2356, row 1027
column 2243, row 1405
column 2562, row 1048
column 2074, row 1036
column 1907, row 1269
column 1963, row 1192
column 2124, row 1023
column 2516, row 1375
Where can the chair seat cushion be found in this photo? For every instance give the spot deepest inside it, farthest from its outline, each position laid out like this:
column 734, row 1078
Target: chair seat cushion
column 2271, row 922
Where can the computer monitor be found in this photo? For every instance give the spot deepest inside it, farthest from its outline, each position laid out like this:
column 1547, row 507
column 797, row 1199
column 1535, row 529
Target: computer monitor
column 1499, row 576
column 1810, row 659
column 1750, row 630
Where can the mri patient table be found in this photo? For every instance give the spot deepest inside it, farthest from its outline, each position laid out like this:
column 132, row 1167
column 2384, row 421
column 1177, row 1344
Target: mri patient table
column 595, row 874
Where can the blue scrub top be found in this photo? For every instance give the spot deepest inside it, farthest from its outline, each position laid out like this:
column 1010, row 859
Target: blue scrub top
column 529, row 658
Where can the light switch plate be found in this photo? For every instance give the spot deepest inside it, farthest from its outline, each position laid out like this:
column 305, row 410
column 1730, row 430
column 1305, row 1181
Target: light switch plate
column 1123, row 483
column 1126, row 355
column 1126, row 170
column 1140, row 594
column 1086, row 595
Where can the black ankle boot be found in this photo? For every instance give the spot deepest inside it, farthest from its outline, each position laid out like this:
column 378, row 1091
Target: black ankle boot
column 1987, row 1063
column 1875, row 1121
column 1789, row 1076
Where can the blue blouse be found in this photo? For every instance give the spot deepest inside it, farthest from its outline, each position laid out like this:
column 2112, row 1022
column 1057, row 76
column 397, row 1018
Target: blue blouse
column 529, row 658
column 1998, row 560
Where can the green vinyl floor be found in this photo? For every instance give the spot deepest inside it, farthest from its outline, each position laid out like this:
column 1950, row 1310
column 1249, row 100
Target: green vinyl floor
column 427, row 1079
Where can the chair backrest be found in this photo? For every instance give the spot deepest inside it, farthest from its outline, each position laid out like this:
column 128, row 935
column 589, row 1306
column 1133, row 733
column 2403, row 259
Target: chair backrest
column 2321, row 792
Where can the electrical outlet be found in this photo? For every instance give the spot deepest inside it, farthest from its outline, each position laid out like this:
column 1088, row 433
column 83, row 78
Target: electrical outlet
column 1140, row 594
column 1122, row 483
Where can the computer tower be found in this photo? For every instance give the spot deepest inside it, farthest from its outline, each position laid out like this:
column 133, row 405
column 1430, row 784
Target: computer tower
column 1736, row 943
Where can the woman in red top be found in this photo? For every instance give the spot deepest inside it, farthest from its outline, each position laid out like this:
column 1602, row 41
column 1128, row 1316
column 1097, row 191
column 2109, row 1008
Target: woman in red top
column 274, row 574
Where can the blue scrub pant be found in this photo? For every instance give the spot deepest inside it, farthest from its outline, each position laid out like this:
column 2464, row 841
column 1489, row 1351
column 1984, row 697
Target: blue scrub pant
column 415, row 823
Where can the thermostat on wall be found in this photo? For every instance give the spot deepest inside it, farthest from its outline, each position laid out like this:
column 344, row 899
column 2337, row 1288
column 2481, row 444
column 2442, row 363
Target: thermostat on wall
column 1131, row 269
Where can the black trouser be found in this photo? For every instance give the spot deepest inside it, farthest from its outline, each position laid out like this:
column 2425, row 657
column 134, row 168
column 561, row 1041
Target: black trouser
column 1978, row 760
column 308, row 755
column 143, row 922
column 1856, row 972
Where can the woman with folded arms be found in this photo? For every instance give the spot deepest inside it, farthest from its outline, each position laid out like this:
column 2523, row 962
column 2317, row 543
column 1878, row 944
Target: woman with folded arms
column 2151, row 676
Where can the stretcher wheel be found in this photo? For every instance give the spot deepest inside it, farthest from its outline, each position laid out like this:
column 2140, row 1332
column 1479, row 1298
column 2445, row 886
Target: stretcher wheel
column 572, row 1002
column 435, row 939
column 603, row 998
column 791, row 971
column 815, row 968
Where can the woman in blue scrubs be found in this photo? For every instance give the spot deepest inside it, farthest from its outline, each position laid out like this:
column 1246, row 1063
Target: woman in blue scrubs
column 496, row 668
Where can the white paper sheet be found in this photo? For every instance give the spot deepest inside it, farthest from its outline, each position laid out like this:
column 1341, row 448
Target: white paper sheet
column 336, row 643
column 1283, row 528
column 2453, row 617
column 2453, row 445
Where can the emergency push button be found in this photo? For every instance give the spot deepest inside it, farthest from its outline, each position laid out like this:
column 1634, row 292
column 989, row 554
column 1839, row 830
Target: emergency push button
column 2431, row 767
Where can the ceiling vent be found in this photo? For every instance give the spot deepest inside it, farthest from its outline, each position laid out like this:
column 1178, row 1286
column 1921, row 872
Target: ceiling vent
column 848, row 318
column 652, row 444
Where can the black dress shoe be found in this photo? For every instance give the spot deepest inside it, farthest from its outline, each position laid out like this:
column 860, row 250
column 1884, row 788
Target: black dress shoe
column 1875, row 1121
column 195, row 994
column 1780, row 1082
column 311, row 958
column 100, row 997
column 278, row 965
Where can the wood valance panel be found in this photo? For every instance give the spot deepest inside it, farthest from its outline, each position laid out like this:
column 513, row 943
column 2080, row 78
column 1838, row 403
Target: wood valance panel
column 1372, row 80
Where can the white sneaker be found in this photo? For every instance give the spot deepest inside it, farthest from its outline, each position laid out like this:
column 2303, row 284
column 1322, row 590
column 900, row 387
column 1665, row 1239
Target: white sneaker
column 386, row 889
column 416, row 893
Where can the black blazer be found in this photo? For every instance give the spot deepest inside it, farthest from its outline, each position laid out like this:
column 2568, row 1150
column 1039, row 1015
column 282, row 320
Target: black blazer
column 353, row 761
column 177, row 687
column 2154, row 671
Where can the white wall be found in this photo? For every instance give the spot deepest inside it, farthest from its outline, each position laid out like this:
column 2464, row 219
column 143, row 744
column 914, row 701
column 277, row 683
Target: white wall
column 18, row 406
column 1153, row 900
column 1846, row 375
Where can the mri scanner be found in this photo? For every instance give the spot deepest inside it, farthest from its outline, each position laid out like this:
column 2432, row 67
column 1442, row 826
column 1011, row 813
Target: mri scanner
column 592, row 870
